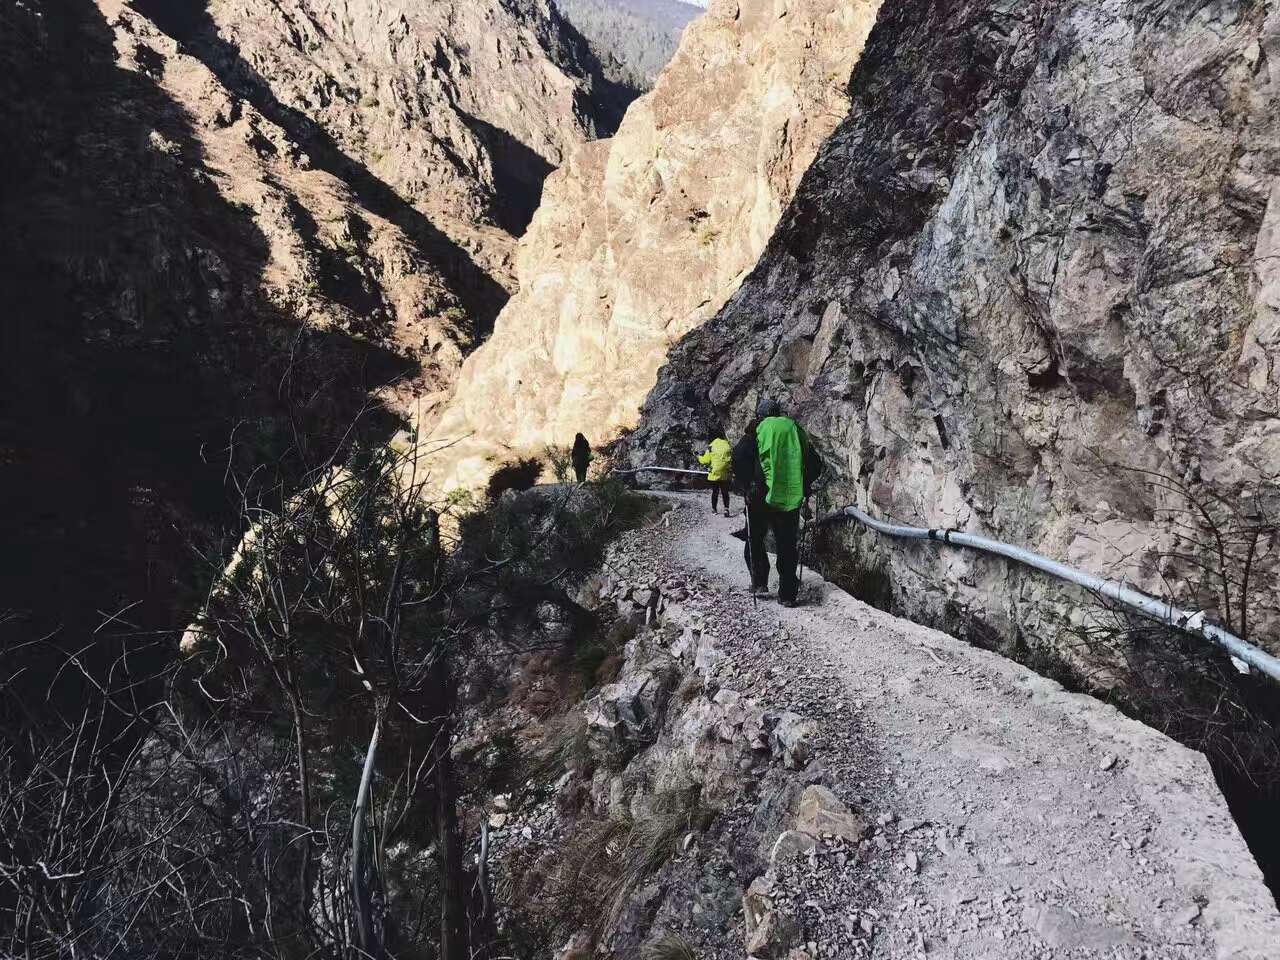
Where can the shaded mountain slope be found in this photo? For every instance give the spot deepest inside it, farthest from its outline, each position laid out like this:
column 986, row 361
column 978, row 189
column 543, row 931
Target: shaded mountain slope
column 199, row 278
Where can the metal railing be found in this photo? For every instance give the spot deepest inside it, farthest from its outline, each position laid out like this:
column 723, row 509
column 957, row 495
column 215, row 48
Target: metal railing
column 700, row 473
column 1162, row 611
column 1244, row 654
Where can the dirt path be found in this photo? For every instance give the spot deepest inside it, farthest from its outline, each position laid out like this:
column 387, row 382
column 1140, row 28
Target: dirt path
column 1016, row 820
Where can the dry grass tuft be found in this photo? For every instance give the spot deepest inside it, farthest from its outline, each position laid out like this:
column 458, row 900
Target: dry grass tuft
column 669, row 946
column 608, row 859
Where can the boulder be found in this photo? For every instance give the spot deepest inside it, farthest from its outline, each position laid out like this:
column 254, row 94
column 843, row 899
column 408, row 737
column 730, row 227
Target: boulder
column 771, row 927
column 791, row 843
column 821, row 812
column 792, row 741
column 626, row 715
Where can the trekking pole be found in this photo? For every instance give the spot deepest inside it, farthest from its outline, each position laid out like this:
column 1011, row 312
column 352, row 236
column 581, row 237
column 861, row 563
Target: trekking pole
column 751, row 560
column 804, row 530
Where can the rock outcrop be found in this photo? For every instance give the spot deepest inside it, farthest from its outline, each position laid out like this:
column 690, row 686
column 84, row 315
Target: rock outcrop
column 643, row 237
column 701, row 781
column 1029, row 289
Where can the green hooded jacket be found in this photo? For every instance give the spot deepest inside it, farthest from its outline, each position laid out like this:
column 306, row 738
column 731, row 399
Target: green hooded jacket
column 782, row 460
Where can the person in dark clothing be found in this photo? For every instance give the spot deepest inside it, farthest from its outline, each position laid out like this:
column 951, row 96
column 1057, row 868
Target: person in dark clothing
column 775, row 466
column 581, row 456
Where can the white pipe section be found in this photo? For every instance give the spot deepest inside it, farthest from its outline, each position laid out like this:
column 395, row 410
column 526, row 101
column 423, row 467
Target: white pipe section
column 1148, row 606
column 699, row 473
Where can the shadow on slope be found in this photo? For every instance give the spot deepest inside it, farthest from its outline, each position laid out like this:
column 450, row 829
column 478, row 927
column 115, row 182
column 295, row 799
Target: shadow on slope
column 139, row 357
column 192, row 26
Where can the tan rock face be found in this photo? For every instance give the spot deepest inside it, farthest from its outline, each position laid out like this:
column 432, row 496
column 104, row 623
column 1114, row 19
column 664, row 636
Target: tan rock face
column 461, row 108
column 643, row 237
column 820, row 812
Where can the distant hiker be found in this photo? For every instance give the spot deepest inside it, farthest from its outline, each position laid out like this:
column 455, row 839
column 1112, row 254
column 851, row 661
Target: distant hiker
column 719, row 457
column 775, row 466
column 581, row 456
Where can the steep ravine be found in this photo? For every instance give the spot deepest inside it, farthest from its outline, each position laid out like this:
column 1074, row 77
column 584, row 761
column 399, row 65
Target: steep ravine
column 1028, row 289
column 226, row 230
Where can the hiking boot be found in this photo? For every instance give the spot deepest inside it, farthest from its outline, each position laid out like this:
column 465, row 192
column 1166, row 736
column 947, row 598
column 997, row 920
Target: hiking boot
column 760, row 591
column 789, row 603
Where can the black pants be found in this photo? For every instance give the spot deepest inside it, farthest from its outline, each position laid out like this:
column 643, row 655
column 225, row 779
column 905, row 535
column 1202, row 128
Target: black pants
column 580, row 470
column 719, row 488
column 785, row 525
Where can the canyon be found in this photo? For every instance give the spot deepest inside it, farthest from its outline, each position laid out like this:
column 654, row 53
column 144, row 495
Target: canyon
column 233, row 230
column 1014, row 264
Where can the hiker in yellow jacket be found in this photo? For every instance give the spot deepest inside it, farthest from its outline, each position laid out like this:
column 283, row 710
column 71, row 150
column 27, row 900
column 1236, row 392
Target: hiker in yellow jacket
column 719, row 458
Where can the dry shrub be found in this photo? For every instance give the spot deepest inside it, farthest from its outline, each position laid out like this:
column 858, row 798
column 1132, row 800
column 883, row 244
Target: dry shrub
column 669, row 946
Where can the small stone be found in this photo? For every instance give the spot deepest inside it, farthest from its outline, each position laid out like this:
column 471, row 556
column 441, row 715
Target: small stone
column 913, row 861
column 497, row 820
column 1108, row 762
column 1188, row 915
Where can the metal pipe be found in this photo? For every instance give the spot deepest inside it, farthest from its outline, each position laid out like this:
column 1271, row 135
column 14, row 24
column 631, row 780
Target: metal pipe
column 699, row 473
column 1149, row 606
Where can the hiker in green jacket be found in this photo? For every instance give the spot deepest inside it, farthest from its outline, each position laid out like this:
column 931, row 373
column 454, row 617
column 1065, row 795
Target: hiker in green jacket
column 775, row 466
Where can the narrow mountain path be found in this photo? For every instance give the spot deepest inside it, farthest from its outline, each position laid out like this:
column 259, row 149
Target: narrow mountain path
column 1013, row 819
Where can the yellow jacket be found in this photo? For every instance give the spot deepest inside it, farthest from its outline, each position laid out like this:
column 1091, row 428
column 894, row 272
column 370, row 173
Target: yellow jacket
column 719, row 458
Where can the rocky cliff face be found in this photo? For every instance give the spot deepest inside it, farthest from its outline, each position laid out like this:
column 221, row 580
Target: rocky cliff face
column 643, row 237
column 1029, row 289
column 461, row 108
column 443, row 118
column 235, row 221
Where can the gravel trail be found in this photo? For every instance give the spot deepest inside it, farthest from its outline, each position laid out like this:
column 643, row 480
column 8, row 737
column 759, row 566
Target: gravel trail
column 1013, row 819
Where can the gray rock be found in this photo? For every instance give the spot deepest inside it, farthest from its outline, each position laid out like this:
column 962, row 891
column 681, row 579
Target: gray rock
column 791, row 843
column 1058, row 928
column 792, row 740
column 772, row 929
column 626, row 714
